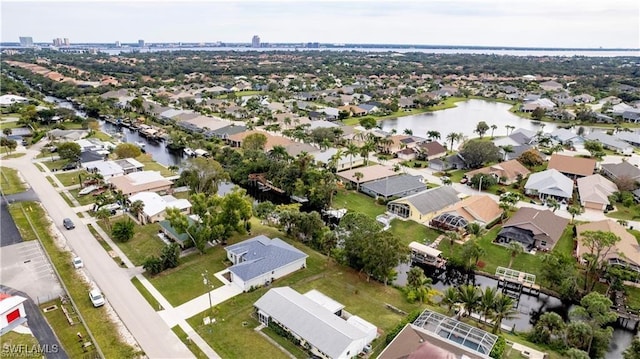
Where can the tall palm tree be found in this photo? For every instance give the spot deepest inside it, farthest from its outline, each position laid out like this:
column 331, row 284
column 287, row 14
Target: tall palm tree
column 493, row 128
column 136, row 208
column 104, row 215
column 469, row 296
column 335, row 159
column 450, row 298
column 408, row 131
column 515, row 248
column 433, row 135
column 553, row 203
column 503, row 309
column 487, row 302
column 453, row 136
column 358, row 176
column 574, row 211
column 366, row 148
column 351, row 151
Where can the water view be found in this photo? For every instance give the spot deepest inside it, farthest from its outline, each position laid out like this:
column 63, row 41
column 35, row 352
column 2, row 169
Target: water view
column 464, row 118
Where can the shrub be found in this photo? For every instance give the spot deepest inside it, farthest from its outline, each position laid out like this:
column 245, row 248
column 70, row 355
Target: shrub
column 498, row 348
column 123, row 230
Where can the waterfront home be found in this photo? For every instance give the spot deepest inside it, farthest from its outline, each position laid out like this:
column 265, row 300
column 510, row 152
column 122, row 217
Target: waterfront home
column 430, row 150
column 618, row 171
column 505, row 172
column 423, row 206
column 625, row 253
column 155, row 206
column 632, row 138
column 573, row 167
column 260, row 260
column 566, row 137
column 549, row 184
column 236, row 139
column 611, row 142
column 362, row 175
column 480, row 209
column 594, row 191
column 108, row 169
column 533, row 229
column 143, row 181
column 395, row 186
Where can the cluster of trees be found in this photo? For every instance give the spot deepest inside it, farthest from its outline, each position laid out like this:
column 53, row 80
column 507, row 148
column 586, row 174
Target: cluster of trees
column 306, row 227
column 586, row 335
column 418, row 286
column 477, row 152
column 169, row 258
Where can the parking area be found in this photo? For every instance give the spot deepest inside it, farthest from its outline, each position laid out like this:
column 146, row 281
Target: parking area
column 26, row 268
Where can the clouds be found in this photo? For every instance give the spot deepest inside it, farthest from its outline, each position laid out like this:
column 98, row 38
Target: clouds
column 545, row 23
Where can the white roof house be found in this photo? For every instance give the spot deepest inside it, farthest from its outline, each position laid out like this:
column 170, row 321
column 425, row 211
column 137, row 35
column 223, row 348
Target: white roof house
column 107, row 169
column 611, row 142
column 549, row 183
column 595, row 190
column 327, row 334
column 344, row 162
column 155, row 205
column 8, row 100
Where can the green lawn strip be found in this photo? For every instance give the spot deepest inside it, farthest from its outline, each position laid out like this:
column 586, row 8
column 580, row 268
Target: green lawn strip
column 71, row 178
column 145, row 241
column 566, row 243
column 66, row 333
column 101, row 136
column 105, row 245
column 410, row 231
column 288, row 345
column 190, row 344
column 145, row 293
column 104, row 331
column 9, row 124
column 151, row 165
column 21, row 221
column 633, row 297
column 636, row 233
column 13, row 155
column 53, row 183
column 83, row 200
column 10, row 181
column 357, row 202
column 20, row 345
column 627, row 213
column 67, row 199
column 55, row 165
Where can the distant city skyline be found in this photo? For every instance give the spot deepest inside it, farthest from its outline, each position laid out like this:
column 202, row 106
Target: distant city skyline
column 522, row 23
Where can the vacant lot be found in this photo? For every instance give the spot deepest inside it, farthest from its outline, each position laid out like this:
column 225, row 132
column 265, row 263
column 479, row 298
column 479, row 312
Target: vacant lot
column 10, row 181
column 357, row 202
column 145, row 241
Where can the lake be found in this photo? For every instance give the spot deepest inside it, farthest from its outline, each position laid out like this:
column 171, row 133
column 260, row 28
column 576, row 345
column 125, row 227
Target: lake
column 464, row 118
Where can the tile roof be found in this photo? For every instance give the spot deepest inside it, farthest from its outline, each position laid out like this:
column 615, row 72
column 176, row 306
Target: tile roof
column 572, row 165
column 476, row 208
column 509, row 169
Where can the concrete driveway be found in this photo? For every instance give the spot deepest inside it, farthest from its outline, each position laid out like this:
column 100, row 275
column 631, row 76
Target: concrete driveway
column 152, row 334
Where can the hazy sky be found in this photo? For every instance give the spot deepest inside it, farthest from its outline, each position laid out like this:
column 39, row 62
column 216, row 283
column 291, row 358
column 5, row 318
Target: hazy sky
column 540, row 23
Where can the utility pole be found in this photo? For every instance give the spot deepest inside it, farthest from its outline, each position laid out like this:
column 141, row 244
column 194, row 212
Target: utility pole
column 207, row 283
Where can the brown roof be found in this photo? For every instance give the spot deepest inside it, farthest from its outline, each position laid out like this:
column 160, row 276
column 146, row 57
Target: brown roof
column 480, row 208
column 572, row 165
column 415, row 343
column 370, row 173
column 433, row 148
column 509, row 169
column 140, row 182
column 627, row 249
column 539, row 222
column 272, row 141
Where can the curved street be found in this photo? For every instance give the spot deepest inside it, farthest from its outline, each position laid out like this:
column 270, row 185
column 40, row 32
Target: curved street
column 152, row 334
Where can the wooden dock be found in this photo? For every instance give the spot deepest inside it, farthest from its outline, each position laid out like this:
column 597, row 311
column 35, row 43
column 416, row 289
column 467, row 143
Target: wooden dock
column 260, row 180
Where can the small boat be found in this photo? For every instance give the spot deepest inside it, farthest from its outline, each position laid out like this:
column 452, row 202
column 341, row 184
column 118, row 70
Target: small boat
column 189, row 152
column 87, row 190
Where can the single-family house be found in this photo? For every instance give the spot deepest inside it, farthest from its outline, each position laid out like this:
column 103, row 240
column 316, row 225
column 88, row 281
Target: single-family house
column 594, row 191
column 480, row 209
column 611, row 142
column 311, row 319
column 632, row 138
column 533, row 228
column 505, row 172
column 551, row 86
column 631, row 115
column 625, row 253
column 369, row 108
column 617, row 171
column 566, row 137
column 143, row 181
column 362, row 175
column 236, row 139
column 573, row 167
column 543, row 103
column 454, row 161
column 430, row 150
column 260, row 260
column 422, row 206
column 549, row 184
column 8, row 100
column 395, row 186
column 109, row 169
column 155, row 206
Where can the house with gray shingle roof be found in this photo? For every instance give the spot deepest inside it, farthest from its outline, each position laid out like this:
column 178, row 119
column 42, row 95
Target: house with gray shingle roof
column 422, row 206
column 549, row 184
column 396, row 186
column 259, row 261
column 611, row 142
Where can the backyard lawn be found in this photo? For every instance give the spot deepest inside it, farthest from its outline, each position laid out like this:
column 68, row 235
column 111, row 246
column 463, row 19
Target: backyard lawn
column 151, row 165
column 71, row 178
column 145, row 241
column 357, row 202
column 410, row 231
column 10, row 181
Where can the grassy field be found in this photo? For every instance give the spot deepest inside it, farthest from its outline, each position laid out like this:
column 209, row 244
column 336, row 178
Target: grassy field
column 66, row 333
column 21, row 221
column 71, row 178
column 194, row 348
column 357, row 202
column 103, row 330
column 145, row 242
column 13, row 155
column 19, row 344
column 235, row 322
column 151, row 165
column 10, row 181
column 101, row 136
column 145, row 293
column 410, row 231
column 55, row 165
column 627, row 213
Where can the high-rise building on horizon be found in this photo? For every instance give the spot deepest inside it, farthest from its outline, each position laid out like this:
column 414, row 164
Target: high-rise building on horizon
column 57, row 41
column 141, row 43
column 255, row 41
column 66, row 41
column 26, row 41
column 118, row 44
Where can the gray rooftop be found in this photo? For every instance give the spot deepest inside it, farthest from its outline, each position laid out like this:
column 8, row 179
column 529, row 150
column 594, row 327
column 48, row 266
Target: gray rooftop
column 262, row 255
column 308, row 319
column 622, row 169
column 391, row 186
column 550, row 182
column 607, row 140
column 433, row 199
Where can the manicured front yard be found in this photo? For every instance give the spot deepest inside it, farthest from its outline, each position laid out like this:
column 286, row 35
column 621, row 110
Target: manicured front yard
column 357, row 202
column 145, row 241
column 13, row 155
column 10, row 181
column 55, row 165
column 410, row 231
column 72, row 178
column 83, row 200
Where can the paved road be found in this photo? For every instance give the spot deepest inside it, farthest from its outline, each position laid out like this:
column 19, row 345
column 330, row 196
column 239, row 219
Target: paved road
column 9, row 233
column 28, row 195
column 154, row 336
column 39, row 327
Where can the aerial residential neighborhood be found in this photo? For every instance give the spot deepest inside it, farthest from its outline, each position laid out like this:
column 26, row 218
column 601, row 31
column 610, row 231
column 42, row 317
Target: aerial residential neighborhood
column 164, row 199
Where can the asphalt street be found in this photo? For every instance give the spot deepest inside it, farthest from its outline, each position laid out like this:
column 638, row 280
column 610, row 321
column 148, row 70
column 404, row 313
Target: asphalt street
column 152, row 334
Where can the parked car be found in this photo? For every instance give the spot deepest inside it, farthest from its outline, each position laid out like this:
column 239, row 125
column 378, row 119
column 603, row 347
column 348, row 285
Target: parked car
column 77, row 262
column 464, row 180
column 97, row 299
column 68, row 224
column 70, row 166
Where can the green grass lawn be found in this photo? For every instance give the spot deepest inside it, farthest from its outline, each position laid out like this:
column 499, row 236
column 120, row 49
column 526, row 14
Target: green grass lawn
column 83, row 200
column 151, row 165
column 145, row 241
column 55, row 165
column 11, row 125
column 13, row 155
column 103, row 330
column 10, row 181
column 19, row 215
column 357, row 202
column 410, row 231
column 66, row 333
column 101, row 136
column 627, row 213
column 145, row 293
column 288, row 345
column 228, row 336
column 71, row 178
column 20, row 345
column 633, row 296
column 192, row 346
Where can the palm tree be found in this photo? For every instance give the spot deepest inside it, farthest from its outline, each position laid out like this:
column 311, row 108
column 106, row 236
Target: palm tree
column 433, row 135
column 408, row 131
column 104, row 215
column 469, row 295
column 493, row 128
column 453, row 136
column 335, row 159
column 366, row 148
column 487, row 302
column 136, row 208
column 351, row 151
column 358, row 176
column 553, row 203
column 574, row 211
column 515, row 248
column 450, row 298
column 418, row 285
column 503, row 309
